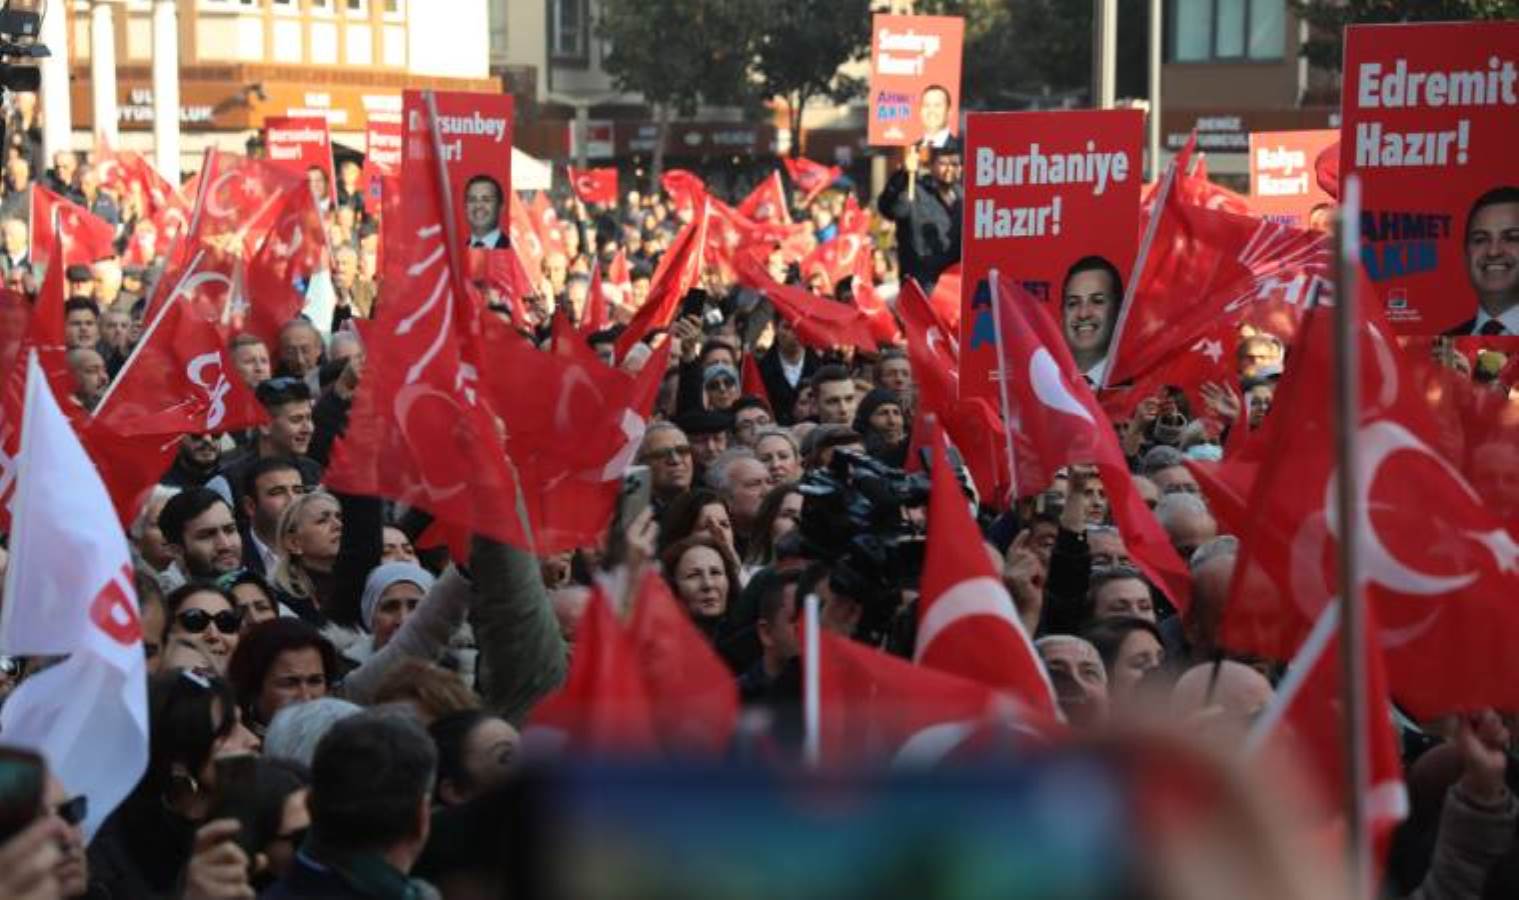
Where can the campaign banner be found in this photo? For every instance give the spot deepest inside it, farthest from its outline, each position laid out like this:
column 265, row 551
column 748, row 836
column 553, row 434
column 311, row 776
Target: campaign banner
column 302, row 144
column 1283, row 184
column 1429, row 123
column 1050, row 198
column 382, row 158
column 476, row 133
column 915, row 79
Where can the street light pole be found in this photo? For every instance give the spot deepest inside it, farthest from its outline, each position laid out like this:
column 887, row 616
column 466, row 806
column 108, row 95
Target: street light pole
column 1104, row 53
column 1152, row 129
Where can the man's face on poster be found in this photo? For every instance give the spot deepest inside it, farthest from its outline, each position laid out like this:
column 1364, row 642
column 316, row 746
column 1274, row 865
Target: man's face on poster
column 934, row 111
column 1492, row 251
column 1088, row 309
column 482, row 208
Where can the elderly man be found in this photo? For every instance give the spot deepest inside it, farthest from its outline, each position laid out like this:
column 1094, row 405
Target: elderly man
column 1219, row 702
column 667, row 453
column 1080, row 679
column 1187, row 521
column 742, row 481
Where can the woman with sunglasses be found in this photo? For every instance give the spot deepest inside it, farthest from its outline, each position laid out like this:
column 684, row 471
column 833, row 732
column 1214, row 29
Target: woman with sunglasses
column 206, row 615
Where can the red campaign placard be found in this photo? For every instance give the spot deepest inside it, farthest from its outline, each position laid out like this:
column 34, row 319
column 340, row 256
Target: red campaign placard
column 1043, row 190
column 300, row 144
column 382, row 158
column 476, row 133
column 914, row 79
column 1283, row 185
column 1429, row 122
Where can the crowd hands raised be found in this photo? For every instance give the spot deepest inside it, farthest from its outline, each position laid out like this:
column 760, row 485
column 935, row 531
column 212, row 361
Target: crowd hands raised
column 333, row 700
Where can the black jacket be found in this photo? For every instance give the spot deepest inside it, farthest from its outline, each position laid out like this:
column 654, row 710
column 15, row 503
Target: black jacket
column 782, row 395
column 928, row 228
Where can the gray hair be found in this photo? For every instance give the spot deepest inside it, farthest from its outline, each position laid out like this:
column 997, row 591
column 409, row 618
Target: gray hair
column 1161, row 457
column 1174, row 506
column 770, row 431
column 156, row 498
column 1223, row 545
column 1055, row 640
column 299, row 727
column 717, row 473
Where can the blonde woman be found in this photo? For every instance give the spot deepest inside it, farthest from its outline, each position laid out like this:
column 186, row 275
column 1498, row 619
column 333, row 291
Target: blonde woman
column 326, row 546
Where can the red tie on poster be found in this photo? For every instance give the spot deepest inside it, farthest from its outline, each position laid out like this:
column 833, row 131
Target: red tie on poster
column 1430, row 123
column 1051, row 198
column 914, row 79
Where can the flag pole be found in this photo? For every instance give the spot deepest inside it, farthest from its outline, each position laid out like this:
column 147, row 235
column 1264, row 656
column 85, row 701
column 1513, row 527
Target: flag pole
column 812, row 746
column 1352, row 614
column 993, row 277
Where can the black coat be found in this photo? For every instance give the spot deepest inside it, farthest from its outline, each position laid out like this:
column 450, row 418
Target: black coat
column 781, row 393
column 928, row 227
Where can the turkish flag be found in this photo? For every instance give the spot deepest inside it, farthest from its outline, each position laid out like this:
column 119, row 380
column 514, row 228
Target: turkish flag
column 1198, row 190
column 818, row 321
column 1056, row 422
column 291, row 251
column 931, row 348
column 1305, row 728
column 420, row 431
column 15, row 317
column 1440, row 568
column 874, row 707
column 69, row 592
column 595, row 316
column 62, row 228
column 603, row 708
column 138, row 185
column 753, row 381
column 573, row 435
column 811, row 178
column 679, row 271
column 525, row 238
column 767, row 202
column 617, row 283
column 685, row 189
column 546, row 220
column 1202, row 273
column 945, row 298
column 594, row 186
column 837, row 258
column 967, row 624
column 883, row 325
column 693, row 696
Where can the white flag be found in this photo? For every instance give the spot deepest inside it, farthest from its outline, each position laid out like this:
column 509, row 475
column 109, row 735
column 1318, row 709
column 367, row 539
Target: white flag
column 69, row 591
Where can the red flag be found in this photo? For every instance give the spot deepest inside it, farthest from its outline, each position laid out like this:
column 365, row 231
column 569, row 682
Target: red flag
column 883, row 325
column 546, row 220
column 594, row 186
column 837, row 258
column 1305, row 725
column 678, row 272
column 1056, row 422
column 945, row 299
column 811, row 178
column 819, row 322
column 63, row 226
column 1202, row 274
column 1440, row 568
column 693, row 697
column 292, row 250
column 875, row 707
column 1326, row 169
column 525, row 238
column 931, row 348
column 137, row 183
column 767, row 202
column 967, row 624
column 15, row 314
column 686, row 189
column 754, row 382
column 419, row 430
column 617, row 284
column 1196, row 189
column 603, row 707
column 595, row 315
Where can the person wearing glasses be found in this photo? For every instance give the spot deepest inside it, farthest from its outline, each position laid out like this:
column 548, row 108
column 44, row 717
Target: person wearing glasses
column 667, row 453
column 207, row 616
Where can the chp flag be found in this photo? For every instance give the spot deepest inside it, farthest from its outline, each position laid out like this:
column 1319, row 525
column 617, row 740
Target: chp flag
column 1430, row 117
column 69, row 592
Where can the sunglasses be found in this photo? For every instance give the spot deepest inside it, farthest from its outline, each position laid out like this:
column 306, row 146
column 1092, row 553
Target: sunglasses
column 669, row 454
column 197, row 621
column 74, row 810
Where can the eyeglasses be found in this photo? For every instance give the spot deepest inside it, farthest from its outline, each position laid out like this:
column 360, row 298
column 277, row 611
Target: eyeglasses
column 74, row 810
column 295, row 682
column 197, row 621
column 668, row 454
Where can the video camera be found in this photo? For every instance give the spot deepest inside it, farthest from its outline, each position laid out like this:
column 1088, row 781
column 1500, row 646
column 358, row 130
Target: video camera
column 855, row 518
column 20, row 23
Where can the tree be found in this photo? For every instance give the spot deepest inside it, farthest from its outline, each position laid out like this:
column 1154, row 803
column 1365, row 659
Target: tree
column 678, row 54
column 1327, row 19
column 799, row 46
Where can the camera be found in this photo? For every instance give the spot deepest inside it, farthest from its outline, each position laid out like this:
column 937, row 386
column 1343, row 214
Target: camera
column 20, row 24
column 855, row 518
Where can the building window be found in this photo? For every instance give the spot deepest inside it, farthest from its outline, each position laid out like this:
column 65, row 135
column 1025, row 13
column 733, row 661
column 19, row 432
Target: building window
column 1214, row 30
column 357, row 7
column 395, row 9
column 321, row 6
column 568, row 29
column 285, row 7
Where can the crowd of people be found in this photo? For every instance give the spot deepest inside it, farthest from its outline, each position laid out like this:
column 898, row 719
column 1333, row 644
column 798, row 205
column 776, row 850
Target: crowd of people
column 332, row 698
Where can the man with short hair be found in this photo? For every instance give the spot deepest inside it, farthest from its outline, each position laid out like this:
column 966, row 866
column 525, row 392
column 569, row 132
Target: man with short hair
column 371, row 811
column 667, row 453
column 62, row 180
column 775, row 626
column 91, row 377
column 934, row 108
column 1187, row 522
column 288, row 433
column 750, row 414
column 201, row 533
column 301, row 351
column 1080, row 679
column 1212, row 567
column 1120, row 592
column 928, row 217
column 1492, row 263
column 707, row 430
column 786, row 369
column 116, row 337
column 268, row 487
column 741, row 480
column 1257, row 352
column 251, row 358
column 197, row 462
column 1089, row 301
column 483, row 202
column 837, row 399
column 81, row 323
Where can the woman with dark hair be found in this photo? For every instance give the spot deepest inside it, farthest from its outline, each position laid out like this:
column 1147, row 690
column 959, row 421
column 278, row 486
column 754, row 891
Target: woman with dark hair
column 1130, row 648
column 779, row 513
column 142, row 849
column 253, row 594
column 280, row 662
column 698, row 511
column 476, row 752
column 205, row 615
column 703, row 574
